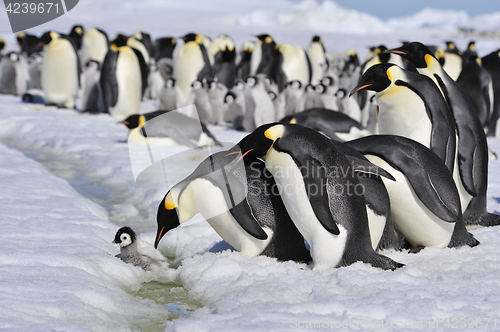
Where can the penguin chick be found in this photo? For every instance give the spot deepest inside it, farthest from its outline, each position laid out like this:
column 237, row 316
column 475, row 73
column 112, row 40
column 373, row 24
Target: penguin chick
column 138, row 253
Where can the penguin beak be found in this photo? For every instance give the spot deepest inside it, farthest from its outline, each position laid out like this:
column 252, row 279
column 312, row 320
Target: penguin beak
column 398, row 52
column 359, row 89
column 244, row 154
column 40, row 44
column 123, row 122
column 159, row 236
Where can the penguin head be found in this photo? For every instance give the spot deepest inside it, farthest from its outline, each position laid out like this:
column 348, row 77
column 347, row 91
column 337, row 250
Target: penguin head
column 341, row 93
column 229, row 98
column 77, row 29
column 310, row 88
column 197, row 85
column 20, row 36
column 125, row 236
column 120, row 40
column 48, row 37
column 265, row 38
column 259, row 142
column 240, row 85
column 93, row 63
column 272, row 95
column 170, row 82
column 440, row 55
column 190, row 37
column 327, row 81
column 320, row 88
column 377, row 78
column 295, row 84
column 317, row 39
column 12, row 56
column 2, row 43
column 417, row 53
column 167, row 217
column 252, row 81
column 133, row 121
column 472, row 46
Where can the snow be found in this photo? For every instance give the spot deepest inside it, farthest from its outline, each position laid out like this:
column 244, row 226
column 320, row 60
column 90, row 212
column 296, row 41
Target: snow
column 68, row 186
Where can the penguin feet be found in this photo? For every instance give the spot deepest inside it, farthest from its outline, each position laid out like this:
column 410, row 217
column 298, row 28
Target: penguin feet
column 416, row 250
column 486, row 220
column 384, row 263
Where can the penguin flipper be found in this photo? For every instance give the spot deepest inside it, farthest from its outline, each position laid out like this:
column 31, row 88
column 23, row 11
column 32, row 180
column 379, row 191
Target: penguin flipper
column 108, row 81
column 206, row 72
column 316, row 189
column 364, row 166
column 242, row 213
column 144, row 70
column 467, row 152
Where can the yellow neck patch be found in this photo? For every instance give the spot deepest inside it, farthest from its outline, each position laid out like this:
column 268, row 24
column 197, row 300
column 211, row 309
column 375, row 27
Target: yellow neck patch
column 389, row 75
column 275, row 132
column 293, row 121
column 169, row 202
column 268, row 39
column 79, row 31
column 54, row 35
column 142, row 120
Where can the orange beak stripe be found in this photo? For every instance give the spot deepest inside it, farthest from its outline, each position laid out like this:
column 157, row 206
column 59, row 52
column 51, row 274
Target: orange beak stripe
column 160, row 235
column 362, row 87
column 231, row 153
column 398, row 52
column 245, row 154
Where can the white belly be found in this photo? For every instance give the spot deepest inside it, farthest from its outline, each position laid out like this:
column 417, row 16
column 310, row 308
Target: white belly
column 128, row 76
column 59, row 72
column 376, row 224
column 352, row 134
column 318, row 62
column 465, row 197
column 404, row 115
column 187, row 65
column 326, row 248
column 410, row 216
column 210, row 202
column 453, row 65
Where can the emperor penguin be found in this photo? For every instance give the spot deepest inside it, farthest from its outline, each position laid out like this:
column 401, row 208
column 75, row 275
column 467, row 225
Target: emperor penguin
column 222, row 54
column 319, row 63
column 246, row 51
column 136, row 252
column 95, row 45
column 170, row 97
column 216, row 93
column 155, row 80
column 469, row 54
column 14, row 74
column 92, row 100
column 347, row 105
column 2, row 45
column 60, row 70
column 452, row 60
column 296, row 65
column 199, row 97
column 332, row 124
column 191, row 63
column 266, row 59
column 491, row 63
column 145, row 39
column 293, row 94
column 29, row 43
column 239, row 199
column 325, row 99
column 309, row 99
column 380, row 55
column 279, row 108
column 164, row 55
column 122, row 80
column 235, row 101
column 263, row 111
column 476, row 82
column 76, row 35
column 425, row 203
column 471, row 169
column 331, row 218
column 154, row 128
column 411, row 105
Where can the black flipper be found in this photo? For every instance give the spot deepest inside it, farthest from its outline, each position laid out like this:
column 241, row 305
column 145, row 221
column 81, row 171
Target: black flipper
column 206, row 72
column 443, row 137
column 242, row 213
column 144, row 70
column 108, row 81
column 364, row 166
column 432, row 183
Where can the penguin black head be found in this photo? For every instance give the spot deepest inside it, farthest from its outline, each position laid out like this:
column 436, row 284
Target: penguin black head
column 197, row 84
column 170, row 82
column 415, row 52
column 133, row 121
column 48, row 37
column 258, row 143
column 472, row 45
column 294, row 84
column 77, row 29
column 2, row 44
column 317, row 39
column 229, row 97
column 189, row 37
column 20, row 36
column 341, row 93
column 92, row 62
column 120, row 40
column 125, row 236
column 167, row 217
column 265, row 38
column 375, row 79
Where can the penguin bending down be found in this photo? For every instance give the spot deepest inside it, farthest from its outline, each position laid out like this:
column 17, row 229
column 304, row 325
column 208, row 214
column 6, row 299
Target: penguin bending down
column 425, row 203
column 239, row 200
column 306, row 167
column 173, row 129
column 138, row 253
column 332, row 124
column 30, row 44
column 60, row 70
column 471, row 169
column 14, row 74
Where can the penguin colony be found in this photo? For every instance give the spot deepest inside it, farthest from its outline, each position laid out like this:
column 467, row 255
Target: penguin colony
column 344, row 158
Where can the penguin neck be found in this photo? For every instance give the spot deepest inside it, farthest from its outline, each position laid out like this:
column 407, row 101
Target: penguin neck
column 129, row 250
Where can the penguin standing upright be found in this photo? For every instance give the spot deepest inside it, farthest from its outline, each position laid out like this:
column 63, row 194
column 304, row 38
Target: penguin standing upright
column 199, row 97
column 293, row 93
column 222, row 54
column 235, row 101
column 410, row 105
column 14, row 75
column 95, row 45
column 92, row 100
column 491, row 63
column 191, row 63
column 331, row 218
column 239, row 199
column 471, row 171
column 29, row 43
column 452, row 60
column 145, row 39
column 155, row 80
column 216, row 93
column 319, row 63
column 170, row 97
column 122, row 80
column 296, row 65
column 476, row 82
column 469, row 54
column 246, row 51
column 76, row 35
column 263, row 111
column 60, row 70
column 266, row 60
